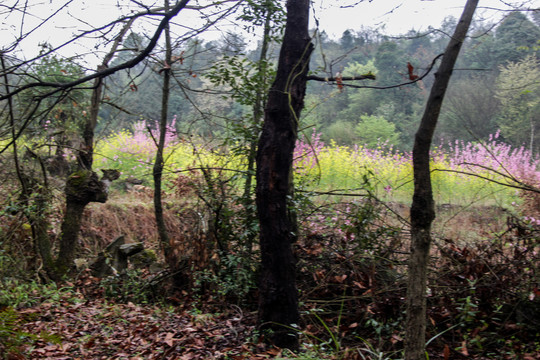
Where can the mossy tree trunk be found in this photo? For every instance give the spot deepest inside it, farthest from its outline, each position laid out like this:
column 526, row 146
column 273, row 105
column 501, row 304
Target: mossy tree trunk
column 36, row 193
column 41, row 198
column 82, row 188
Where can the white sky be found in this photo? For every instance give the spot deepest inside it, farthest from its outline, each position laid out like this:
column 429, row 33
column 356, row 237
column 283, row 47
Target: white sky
column 393, row 17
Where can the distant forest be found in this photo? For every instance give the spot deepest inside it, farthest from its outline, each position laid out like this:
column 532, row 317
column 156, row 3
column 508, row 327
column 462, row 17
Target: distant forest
column 495, row 86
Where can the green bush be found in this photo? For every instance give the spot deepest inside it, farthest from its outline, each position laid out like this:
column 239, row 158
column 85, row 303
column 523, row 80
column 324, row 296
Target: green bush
column 11, row 338
column 129, row 287
column 18, row 294
column 374, row 130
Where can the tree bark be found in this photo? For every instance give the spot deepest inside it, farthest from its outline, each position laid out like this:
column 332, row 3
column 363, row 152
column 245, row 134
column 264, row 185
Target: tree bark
column 159, row 162
column 422, row 208
column 82, row 188
column 278, row 299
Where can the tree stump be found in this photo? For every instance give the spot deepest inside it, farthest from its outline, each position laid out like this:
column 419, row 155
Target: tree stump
column 115, row 258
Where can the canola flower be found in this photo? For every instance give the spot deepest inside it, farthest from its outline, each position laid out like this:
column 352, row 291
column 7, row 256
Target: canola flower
column 460, row 170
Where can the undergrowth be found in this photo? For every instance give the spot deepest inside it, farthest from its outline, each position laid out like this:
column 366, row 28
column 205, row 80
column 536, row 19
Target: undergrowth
column 20, row 294
column 484, row 296
column 16, row 300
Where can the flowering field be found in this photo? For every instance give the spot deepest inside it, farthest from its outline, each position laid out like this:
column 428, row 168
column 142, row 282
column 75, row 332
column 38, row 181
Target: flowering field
column 462, row 173
column 460, row 170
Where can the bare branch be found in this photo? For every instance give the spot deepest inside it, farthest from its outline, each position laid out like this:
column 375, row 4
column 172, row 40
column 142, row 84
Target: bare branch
column 372, row 77
column 516, row 185
column 344, row 78
column 108, row 71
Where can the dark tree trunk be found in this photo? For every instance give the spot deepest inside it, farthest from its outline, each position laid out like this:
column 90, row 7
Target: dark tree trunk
column 278, row 301
column 70, row 229
column 422, row 208
column 81, row 188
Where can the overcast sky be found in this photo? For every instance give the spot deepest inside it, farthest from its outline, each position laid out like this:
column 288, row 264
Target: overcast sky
column 393, row 17
column 397, row 17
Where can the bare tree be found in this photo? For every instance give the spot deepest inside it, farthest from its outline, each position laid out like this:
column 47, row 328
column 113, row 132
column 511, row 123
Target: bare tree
column 159, row 163
column 422, row 209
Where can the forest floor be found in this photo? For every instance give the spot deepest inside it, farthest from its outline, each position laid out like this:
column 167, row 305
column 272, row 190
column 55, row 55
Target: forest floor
column 483, row 301
column 79, row 328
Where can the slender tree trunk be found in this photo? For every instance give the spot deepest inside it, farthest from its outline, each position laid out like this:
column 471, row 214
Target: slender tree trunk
column 32, row 188
column 159, row 163
column 278, row 299
column 40, row 230
column 531, row 145
column 12, row 126
column 258, row 108
column 86, row 155
column 37, row 191
column 422, row 209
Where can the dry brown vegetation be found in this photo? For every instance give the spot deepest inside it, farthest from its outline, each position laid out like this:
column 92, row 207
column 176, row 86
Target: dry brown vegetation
column 483, row 290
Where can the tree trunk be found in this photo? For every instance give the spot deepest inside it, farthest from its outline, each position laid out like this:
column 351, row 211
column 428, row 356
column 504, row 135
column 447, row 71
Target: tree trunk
column 531, row 122
column 36, row 193
column 159, row 162
column 278, row 299
column 422, row 209
column 32, row 188
column 83, row 186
